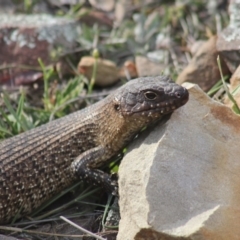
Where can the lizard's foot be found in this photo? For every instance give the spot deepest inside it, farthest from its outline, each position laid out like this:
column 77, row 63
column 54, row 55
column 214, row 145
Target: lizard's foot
column 114, row 184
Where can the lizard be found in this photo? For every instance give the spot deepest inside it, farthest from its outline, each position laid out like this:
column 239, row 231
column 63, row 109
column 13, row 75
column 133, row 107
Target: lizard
column 39, row 163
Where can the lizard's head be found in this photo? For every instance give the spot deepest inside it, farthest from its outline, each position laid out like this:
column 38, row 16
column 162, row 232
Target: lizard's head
column 149, row 98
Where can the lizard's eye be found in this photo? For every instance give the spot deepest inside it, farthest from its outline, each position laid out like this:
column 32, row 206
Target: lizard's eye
column 150, row 95
column 117, row 107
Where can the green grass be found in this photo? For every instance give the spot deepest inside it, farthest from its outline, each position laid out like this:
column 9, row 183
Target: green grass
column 235, row 107
column 24, row 117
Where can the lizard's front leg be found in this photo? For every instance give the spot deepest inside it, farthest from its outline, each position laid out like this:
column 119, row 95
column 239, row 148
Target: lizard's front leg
column 84, row 166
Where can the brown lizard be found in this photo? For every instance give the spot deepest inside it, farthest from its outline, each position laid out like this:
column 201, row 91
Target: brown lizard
column 39, row 163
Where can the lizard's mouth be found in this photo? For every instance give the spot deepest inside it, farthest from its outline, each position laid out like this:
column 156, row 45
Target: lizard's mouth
column 155, row 109
column 168, row 108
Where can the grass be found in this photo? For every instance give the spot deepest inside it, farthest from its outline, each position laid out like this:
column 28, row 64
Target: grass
column 14, row 121
column 222, row 85
column 230, row 96
column 56, row 103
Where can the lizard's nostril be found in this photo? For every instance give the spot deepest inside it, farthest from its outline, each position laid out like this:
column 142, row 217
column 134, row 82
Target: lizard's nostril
column 182, row 94
column 178, row 94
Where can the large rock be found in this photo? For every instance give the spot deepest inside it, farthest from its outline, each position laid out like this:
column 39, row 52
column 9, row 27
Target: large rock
column 181, row 180
column 25, row 38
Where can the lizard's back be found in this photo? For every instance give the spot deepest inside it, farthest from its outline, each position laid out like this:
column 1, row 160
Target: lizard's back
column 37, row 164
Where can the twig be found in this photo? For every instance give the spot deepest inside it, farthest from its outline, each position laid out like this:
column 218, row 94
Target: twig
column 82, row 229
column 21, row 66
column 19, row 230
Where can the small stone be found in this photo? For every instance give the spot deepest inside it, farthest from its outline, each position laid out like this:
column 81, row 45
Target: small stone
column 128, row 70
column 146, row 67
column 107, row 72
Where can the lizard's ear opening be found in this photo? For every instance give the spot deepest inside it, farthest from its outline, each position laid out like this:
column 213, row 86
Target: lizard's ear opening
column 116, row 106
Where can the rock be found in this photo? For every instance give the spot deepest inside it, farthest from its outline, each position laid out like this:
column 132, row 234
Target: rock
column 3, row 237
column 146, row 67
column 61, row 3
column 6, row 6
column 203, row 69
column 128, row 70
column 90, row 17
column 103, row 5
column 107, row 72
column 228, row 43
column 181, row 181
column 25, row 38
column 194, row 47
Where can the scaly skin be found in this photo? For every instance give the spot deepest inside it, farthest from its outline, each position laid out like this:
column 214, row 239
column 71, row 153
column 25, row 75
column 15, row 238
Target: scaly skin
column 39, row 163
